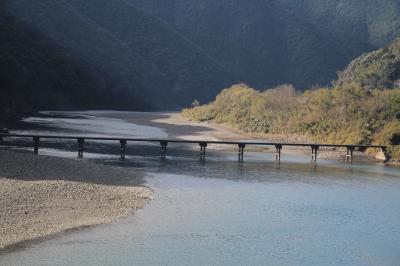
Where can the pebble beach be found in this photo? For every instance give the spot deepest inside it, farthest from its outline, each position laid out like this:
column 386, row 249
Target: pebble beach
column 41, row 196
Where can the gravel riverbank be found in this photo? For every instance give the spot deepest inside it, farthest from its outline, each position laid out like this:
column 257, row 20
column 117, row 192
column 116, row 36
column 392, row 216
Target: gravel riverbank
column 41, row 196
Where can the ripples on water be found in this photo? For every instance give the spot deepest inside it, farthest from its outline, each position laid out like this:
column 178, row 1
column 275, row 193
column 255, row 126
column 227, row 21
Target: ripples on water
column 224, row 213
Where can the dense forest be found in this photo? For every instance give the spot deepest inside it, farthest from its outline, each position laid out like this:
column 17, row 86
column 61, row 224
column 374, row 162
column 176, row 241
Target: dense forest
column 36, row 73
column 157, row 66
column 158, row 55
column 351, row 112
column 265, row 43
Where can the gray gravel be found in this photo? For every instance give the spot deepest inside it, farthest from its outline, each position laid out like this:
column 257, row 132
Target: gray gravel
column 41, row 196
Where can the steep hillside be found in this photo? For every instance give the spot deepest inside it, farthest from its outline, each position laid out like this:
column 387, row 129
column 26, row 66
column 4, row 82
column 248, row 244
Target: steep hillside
column 378, row 69
column 153, row 54
column 349, row 113
column 141, row 56
column 270, row 42
column 35, row 73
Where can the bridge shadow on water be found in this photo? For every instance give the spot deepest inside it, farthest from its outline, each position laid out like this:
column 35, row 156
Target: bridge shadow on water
column 257, row 167
column 184, row 159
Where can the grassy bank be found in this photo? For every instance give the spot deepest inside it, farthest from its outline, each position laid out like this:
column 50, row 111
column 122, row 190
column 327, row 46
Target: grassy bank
column 345, row 114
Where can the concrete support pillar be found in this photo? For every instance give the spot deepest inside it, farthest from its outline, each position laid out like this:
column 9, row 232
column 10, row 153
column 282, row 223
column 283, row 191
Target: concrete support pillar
column 278, row 153
column 203, row 146
column 241, row 151
column 123, row 149
column 36, row 140
column 164, row 145
column 314, row 152
column 3, row 131
column 349, row 154
column 81, row 141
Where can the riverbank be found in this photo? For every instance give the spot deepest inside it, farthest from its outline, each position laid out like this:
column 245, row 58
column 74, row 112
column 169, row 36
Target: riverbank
column 41, row 196
column 177, row 126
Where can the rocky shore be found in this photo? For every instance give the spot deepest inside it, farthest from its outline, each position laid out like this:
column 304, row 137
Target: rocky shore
column 41, row 196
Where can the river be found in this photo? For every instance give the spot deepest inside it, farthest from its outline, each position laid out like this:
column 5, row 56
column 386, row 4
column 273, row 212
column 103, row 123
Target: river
column 224, row 213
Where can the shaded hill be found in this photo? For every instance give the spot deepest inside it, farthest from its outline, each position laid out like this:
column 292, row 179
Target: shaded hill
column 36, row 73
column 143, row 59
column 270, row 42
column 152, row 54
column 348, row 113
column 378, row 69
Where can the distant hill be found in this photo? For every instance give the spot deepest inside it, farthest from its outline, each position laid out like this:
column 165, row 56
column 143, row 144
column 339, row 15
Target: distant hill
column 144, row 61
column 355, row 110
column 270, row 42
column 36, row 73
column 378, row 69
column 157, row 54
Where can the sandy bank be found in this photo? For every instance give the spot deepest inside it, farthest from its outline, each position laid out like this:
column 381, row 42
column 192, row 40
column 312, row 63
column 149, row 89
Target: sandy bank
column 41, row 196
column 178, row 127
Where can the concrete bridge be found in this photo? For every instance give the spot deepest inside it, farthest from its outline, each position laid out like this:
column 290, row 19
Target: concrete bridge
column 202, row 144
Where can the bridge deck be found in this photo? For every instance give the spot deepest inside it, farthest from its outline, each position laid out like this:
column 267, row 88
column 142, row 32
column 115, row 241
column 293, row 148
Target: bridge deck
column 202, row 143
column 254, row 143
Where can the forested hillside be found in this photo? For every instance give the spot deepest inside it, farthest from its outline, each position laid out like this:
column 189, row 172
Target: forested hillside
column 378, row 69
column 153, row 54
column 269, row 42
column 349, row 113
column 154, row 63
column 36, row 73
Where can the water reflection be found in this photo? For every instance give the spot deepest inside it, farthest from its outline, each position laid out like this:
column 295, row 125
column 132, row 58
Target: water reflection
column 221, row 212
column 224, row 213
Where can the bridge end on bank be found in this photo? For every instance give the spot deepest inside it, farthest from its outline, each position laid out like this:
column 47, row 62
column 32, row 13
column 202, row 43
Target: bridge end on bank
column 382, row 155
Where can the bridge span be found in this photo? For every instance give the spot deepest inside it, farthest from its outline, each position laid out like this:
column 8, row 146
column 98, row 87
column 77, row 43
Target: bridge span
column 203, row 144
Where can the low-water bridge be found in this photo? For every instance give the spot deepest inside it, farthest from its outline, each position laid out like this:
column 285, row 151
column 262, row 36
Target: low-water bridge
column 202, row 144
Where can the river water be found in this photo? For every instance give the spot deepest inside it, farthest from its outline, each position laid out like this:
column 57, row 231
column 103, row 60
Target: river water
column 224, row 213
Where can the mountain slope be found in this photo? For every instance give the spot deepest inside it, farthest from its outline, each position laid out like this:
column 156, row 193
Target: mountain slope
column 270, row 42
column 348, row 113
column 143, row 58
column 35, row 73
column 378, row 69
column 153, row 54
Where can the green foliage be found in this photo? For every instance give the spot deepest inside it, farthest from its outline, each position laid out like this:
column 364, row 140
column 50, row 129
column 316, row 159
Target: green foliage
column 153, row 66
column 349, row 113
column 346, row 114
column 249, row 110
column 265, row 43
column 36, row 73
column 200, row 113
column 379, row 69
column 390, row 135
column 150, row 54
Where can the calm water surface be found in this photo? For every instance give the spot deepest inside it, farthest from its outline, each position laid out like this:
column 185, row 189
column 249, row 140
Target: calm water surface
column 224, row 213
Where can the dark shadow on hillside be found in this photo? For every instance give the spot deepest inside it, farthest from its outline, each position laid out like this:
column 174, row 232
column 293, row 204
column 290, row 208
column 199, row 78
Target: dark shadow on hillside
column 38, row 74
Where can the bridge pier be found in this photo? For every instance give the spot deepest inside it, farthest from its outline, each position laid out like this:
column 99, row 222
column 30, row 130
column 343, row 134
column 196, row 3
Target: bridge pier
column 278, row 153
column 382, row 154
column 349, row 154
column 36, row 140
column 81, row 141
column 164, row 145
column 241, row 151
column 314, row 152
column 203, row 146
column 123, row 149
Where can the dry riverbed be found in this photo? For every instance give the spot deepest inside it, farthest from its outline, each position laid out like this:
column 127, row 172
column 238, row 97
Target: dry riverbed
column 41, row 196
